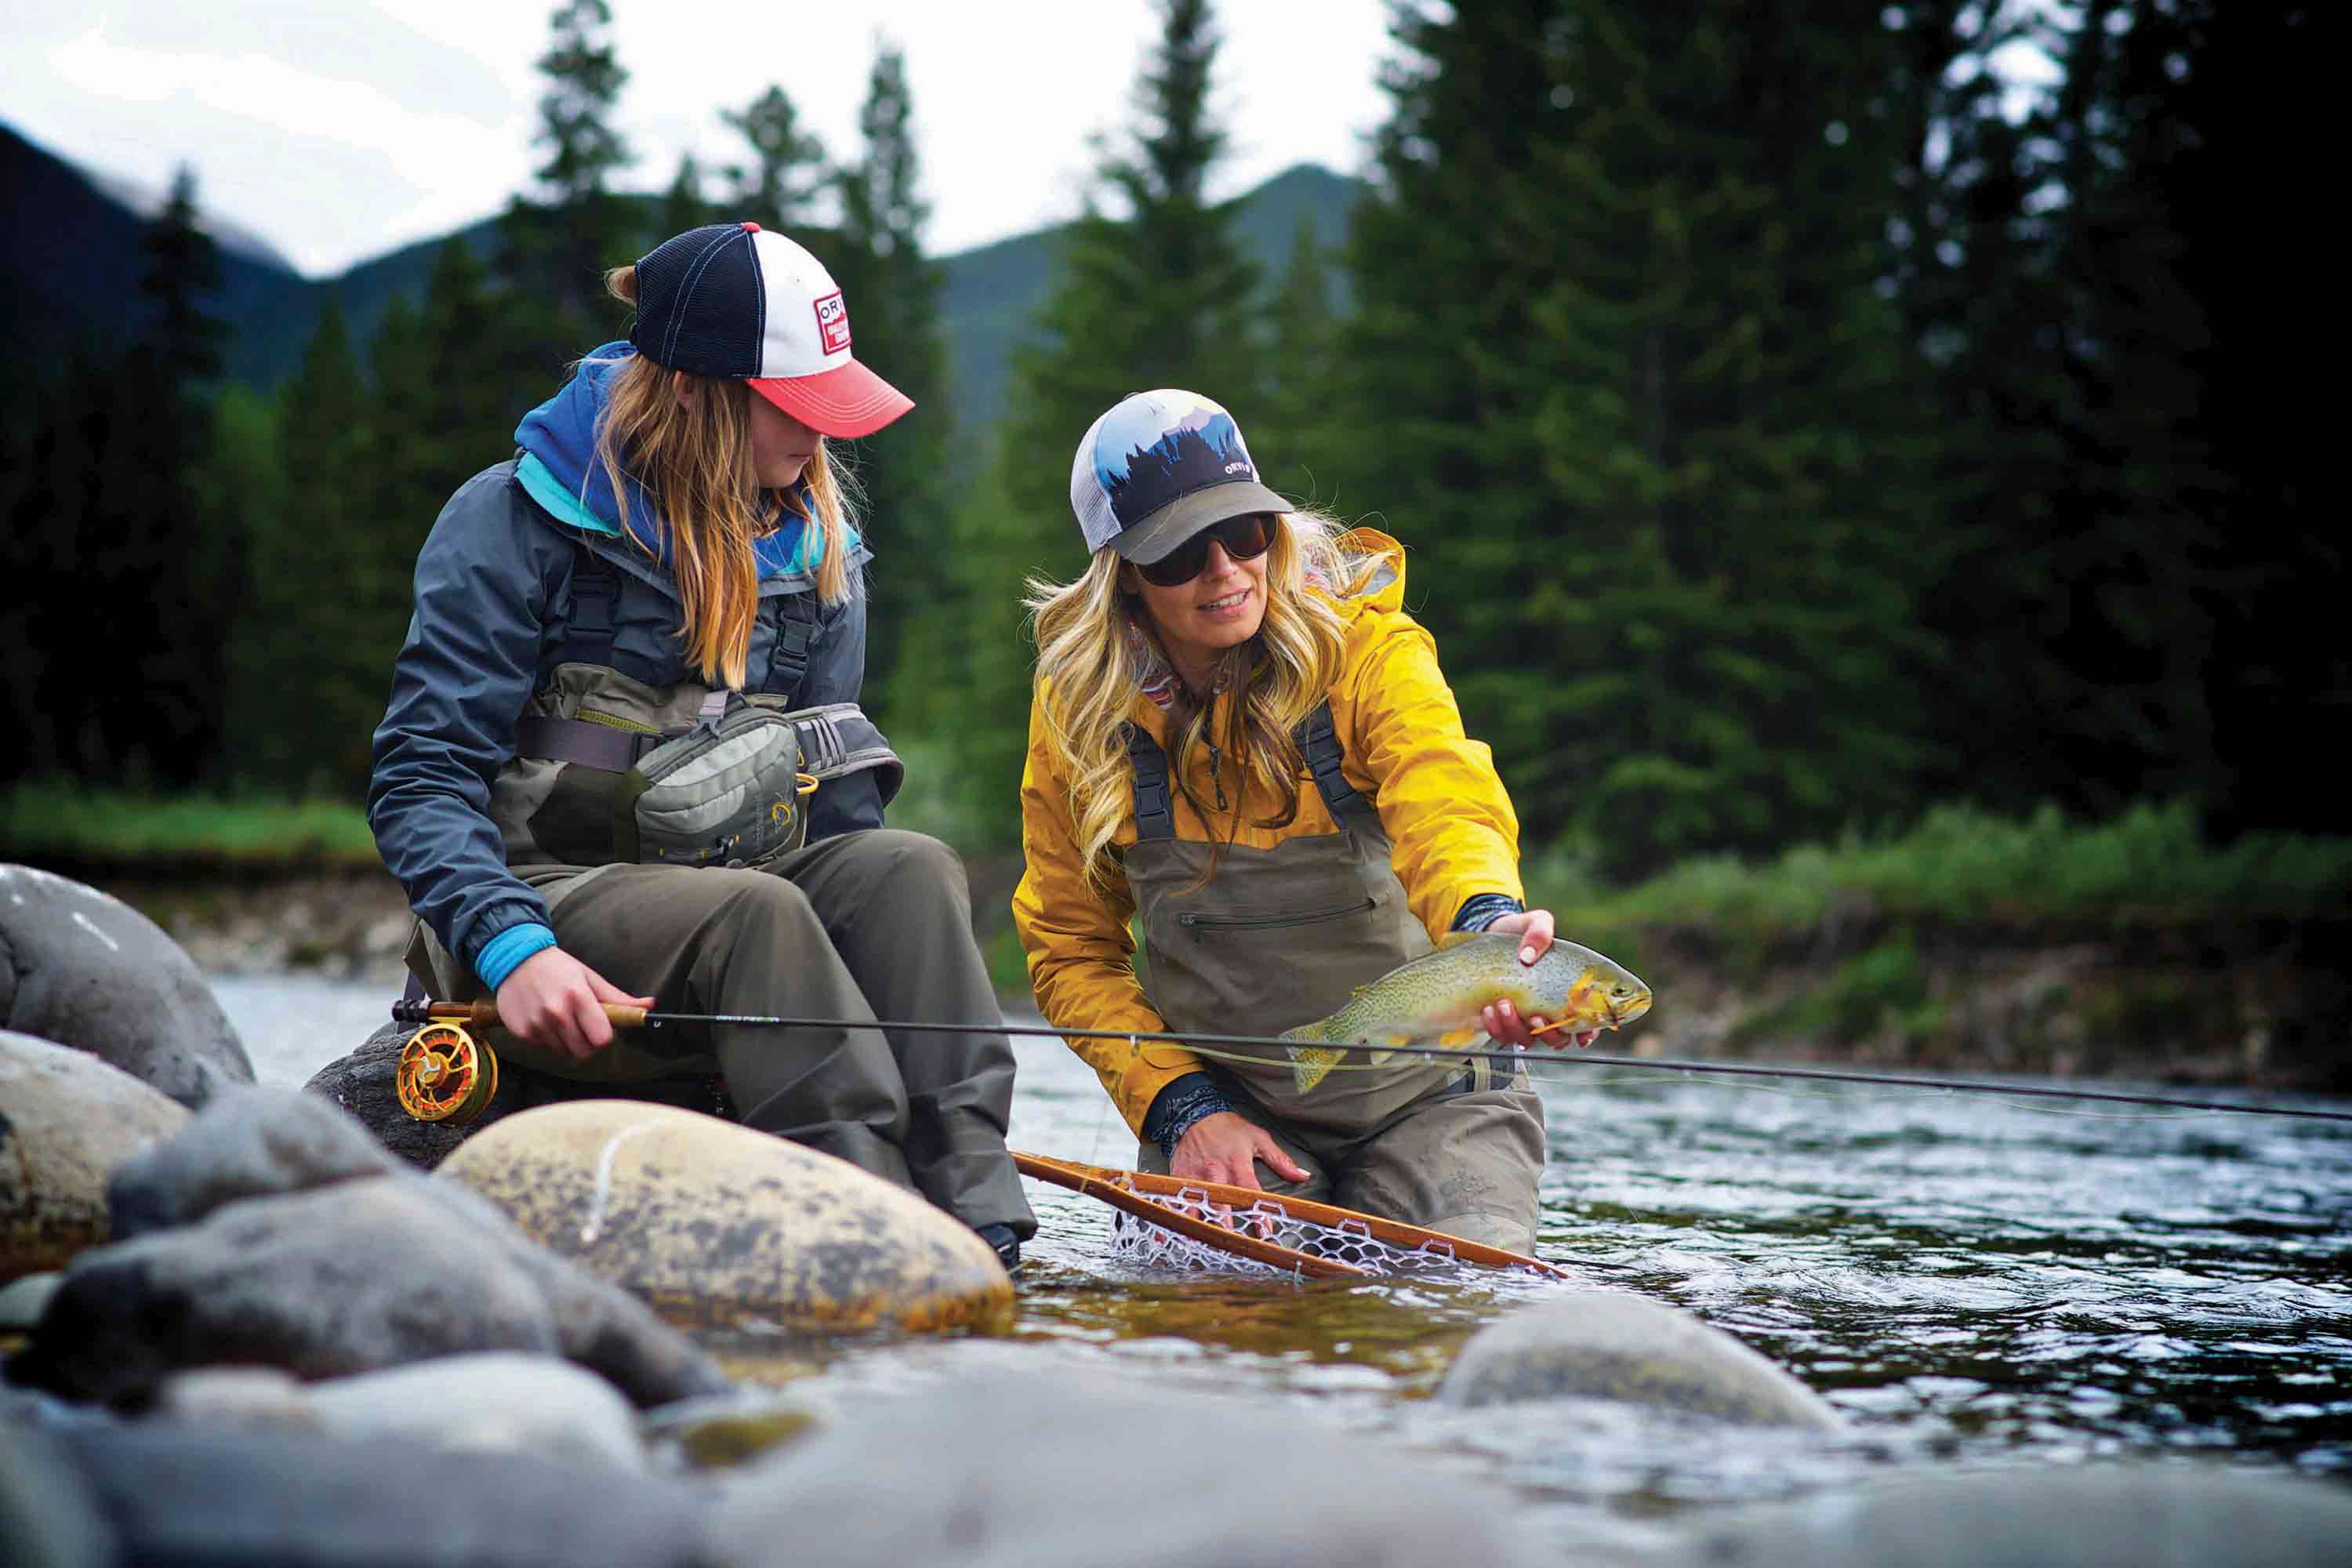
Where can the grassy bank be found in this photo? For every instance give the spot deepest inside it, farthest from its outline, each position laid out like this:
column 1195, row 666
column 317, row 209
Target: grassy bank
column 68, row 825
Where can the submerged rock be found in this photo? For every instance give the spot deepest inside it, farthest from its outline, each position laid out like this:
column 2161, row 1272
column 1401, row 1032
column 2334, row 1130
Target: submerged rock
column 2149, row 1516
column 714, row 1223
column 87, row 970
column 175, row 1494
column 67, row 1120
column 960, row 1464
column 357, row 1276
column 1604, row 1344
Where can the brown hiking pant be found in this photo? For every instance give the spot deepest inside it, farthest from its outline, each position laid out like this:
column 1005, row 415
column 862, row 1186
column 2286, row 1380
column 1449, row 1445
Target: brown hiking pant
column 865, row 925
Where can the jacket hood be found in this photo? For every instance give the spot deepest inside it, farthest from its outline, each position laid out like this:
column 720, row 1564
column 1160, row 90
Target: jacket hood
column 558, row 439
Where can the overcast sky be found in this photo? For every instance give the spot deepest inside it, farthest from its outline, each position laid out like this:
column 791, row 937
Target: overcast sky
column 337, row 130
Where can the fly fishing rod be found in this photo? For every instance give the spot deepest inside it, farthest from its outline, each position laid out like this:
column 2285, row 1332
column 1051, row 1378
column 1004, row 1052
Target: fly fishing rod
column 485, row 1013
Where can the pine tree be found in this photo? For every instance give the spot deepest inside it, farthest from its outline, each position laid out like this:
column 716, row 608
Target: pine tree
column 787, row 167
column 1159, row 295
column 1298, row 438
column 1623, row 369
column 683, row 205
column 893, row 290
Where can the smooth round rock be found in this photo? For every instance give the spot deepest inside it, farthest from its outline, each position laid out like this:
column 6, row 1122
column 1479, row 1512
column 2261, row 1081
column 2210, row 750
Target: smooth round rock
column 1050, row 1469
column 498, row 1402
column 1604, row 1344
column 47, row 1518
column 714, row 1223
column 67, row 1120
column 2148, row 1516
column 86, row 970
column 363, row 1085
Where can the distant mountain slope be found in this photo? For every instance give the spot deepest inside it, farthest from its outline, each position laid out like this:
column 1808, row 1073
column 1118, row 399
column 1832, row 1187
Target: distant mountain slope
column 73, row 273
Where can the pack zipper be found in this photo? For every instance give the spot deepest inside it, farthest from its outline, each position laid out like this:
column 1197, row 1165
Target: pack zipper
column 1201, row 925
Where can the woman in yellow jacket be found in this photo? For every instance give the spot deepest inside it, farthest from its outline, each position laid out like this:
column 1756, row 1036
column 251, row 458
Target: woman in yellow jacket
column 1239, row 735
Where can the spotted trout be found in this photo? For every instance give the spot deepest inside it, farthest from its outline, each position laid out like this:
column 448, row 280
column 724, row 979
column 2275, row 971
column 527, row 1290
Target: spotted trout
column 1434, row 1000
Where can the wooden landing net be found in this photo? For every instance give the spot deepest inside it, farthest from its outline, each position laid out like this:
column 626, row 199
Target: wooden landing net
column 1210, row 1226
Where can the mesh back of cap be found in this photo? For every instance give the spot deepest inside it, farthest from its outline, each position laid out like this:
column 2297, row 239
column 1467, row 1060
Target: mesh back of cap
column 699, row 307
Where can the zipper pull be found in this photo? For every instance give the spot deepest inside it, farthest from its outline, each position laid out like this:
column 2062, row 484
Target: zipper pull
column 1215, row 755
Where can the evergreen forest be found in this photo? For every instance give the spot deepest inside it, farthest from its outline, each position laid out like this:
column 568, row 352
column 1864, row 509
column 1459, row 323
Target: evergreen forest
column 1799, row 426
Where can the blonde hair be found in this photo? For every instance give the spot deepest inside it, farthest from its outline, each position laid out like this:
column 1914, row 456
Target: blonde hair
column 693, row 456
column 1088, row 669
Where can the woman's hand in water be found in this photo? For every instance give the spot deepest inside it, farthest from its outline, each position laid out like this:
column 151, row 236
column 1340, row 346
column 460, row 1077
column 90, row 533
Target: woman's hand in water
column 1534, row 930
column 1221, row 1147
column 557, row 1002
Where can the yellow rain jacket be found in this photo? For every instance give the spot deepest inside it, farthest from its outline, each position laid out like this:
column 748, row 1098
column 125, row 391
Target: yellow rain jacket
column 1443, row 809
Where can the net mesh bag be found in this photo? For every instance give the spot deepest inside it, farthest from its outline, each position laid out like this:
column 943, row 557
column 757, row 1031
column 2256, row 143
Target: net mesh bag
column 1137, row 1241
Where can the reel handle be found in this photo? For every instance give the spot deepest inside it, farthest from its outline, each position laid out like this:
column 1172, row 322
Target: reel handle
column 485, row 1013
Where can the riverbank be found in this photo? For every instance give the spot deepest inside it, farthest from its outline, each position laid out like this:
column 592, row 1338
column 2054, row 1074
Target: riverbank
column 2252, row 1003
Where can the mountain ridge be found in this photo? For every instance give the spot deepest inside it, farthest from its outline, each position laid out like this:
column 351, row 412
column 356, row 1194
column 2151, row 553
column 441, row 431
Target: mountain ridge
column 71, row 282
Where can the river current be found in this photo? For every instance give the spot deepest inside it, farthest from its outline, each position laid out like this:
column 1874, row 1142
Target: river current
column 1973, row 1282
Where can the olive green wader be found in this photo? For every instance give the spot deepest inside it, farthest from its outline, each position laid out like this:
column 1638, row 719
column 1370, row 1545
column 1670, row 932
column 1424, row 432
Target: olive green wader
column 1279, row 937
column 861, row 926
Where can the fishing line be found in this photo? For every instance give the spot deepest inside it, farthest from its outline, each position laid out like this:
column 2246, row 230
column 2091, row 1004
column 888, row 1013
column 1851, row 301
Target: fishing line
column 1204, row 1045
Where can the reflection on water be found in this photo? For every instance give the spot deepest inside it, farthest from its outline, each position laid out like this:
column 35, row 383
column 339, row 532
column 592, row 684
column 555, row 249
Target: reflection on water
column 1970, row 1279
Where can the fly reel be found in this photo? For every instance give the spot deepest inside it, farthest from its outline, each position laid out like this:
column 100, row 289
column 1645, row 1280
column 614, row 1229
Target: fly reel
column 445, row 1075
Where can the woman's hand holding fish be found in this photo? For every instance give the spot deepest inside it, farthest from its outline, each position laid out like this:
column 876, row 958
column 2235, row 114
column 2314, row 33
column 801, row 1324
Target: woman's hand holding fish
column 1222, row 1147
column 1535, row 929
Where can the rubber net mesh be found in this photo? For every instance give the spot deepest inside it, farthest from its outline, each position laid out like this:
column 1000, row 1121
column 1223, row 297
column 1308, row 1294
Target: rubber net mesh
column 1139, row 1242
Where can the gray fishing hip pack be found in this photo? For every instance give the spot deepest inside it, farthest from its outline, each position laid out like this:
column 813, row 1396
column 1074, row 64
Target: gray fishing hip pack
column 729, row 789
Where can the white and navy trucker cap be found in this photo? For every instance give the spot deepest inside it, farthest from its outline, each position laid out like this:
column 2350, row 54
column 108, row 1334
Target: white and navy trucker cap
column 733, row 300
column 1158, row 468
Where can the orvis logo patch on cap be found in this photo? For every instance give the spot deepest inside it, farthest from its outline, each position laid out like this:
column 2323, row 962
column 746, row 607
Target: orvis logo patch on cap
column 832, row 323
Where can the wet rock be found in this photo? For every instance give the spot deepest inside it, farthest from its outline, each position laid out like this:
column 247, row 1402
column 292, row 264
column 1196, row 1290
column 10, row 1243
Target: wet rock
column 1602, row 1344
column 2150, row 1516
column 364, row 1084
column 23, row 1301
column 730, row 1429
column 67, row 1119
column 175, row 1494
column 47, row 1518
column 244, row 1143
column 356, row 1276
column 959, row 1466
column 714, row 1223
column 89, row 971
column 493, row 1402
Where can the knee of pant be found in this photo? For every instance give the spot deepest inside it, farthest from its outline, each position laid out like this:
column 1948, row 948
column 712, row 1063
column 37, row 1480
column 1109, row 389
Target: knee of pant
column 919, row 862
column 757, row 902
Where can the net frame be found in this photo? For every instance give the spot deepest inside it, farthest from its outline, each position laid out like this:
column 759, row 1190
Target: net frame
column 1244, row 1229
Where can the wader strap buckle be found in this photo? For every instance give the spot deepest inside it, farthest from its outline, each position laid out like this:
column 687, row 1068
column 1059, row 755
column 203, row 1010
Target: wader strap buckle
column 1318, row 742
column 588, row 631
column 793, row 635
column 1155, row 816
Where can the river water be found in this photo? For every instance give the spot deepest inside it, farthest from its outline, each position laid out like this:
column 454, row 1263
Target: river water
column 1972, row 1282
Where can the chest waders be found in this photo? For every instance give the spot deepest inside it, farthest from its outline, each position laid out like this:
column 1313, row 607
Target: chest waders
column 1282, row 935
column 858, row 926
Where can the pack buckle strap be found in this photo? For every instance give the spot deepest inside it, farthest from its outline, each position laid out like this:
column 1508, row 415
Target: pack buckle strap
column 615, row 750
column 588, row 631
column 1155, row 814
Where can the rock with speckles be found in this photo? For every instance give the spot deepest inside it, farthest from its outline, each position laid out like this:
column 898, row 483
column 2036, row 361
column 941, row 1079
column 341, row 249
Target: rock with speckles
column 715, row 1223
column 67, row 1120
column 1605, row 1345
column 87, row 970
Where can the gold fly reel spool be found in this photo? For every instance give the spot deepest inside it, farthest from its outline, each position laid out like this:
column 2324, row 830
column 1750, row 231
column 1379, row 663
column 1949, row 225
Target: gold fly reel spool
column 445, row 1075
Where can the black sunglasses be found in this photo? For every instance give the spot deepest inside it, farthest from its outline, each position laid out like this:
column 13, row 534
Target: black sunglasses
column 1246, row 538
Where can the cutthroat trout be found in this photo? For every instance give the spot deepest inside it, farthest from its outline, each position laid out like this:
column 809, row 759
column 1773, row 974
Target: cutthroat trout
column 1435, row 1000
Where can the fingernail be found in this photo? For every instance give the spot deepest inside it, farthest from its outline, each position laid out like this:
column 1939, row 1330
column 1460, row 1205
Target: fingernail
column 1527, row 955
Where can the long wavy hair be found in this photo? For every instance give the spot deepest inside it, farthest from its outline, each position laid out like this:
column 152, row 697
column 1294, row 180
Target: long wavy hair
column 1089, row 666
column 693, row 456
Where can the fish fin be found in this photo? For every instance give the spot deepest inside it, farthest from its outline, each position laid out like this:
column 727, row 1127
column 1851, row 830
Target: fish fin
column 1310, row 1065
column 1457, row 1039
column 1396, row 1043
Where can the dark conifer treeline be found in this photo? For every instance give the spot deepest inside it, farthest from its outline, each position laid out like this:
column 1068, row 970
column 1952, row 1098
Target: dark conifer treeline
column 1795, row 420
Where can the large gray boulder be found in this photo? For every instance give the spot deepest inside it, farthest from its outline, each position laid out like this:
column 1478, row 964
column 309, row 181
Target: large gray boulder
column 1604, row 1344
column 86, row 970
column 961, row 1465
column 2145, row 1516
column 175, row 1494
column 244, row 1143
column 358, row 1275
column 67, row 1120
column 47, row 1518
